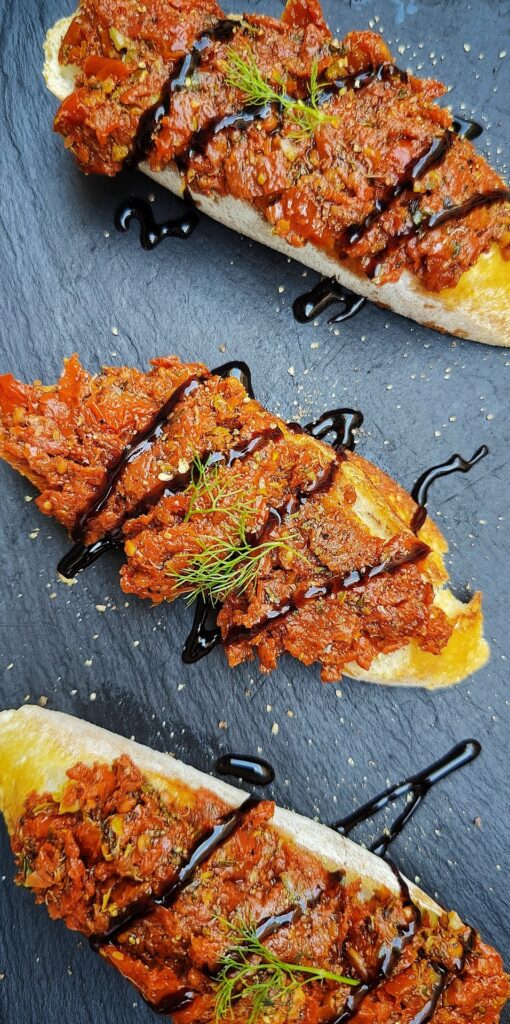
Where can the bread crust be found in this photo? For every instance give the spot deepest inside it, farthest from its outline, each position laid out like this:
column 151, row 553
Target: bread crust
column 477, row 309
column 37, row 746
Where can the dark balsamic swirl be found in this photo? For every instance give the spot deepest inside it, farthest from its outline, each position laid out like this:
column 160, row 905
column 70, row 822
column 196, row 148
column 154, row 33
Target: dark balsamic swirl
column 251, row 769
column 326, row 293
column 416, row 787
column 338, row 426
column 259, row 772
column 153, row 233
column 420, row 490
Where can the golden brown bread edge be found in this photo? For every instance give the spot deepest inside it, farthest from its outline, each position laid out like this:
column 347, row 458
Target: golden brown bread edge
column 386, row 509
column 477, row 309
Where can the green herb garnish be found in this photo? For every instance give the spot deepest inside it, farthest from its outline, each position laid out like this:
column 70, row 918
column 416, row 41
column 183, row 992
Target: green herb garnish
column 209, row 491
column 223, row 566
column 249, row 970
column 243, row 74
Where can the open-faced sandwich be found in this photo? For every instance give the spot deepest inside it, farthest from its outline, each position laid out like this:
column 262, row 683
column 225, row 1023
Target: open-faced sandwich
column 222, row 908
column 298, row 546
column 323, row 150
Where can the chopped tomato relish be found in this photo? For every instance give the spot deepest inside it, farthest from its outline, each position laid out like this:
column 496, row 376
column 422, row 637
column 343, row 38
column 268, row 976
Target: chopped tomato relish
column 111, row 838
column 67, row 438
column 312, row 187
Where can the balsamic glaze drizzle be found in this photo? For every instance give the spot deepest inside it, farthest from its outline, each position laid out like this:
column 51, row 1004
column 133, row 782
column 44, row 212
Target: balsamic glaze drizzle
column 497, row 195
column 465, row 128
column 420, row 490
column 204, row 635
column 205, row 846
column 389, row 958
column 250, row 769
column 334, row 585
column 326, row 293
column 142, row 442
column 340, row 423
column 152, row 233
column 259, row 772
column 82, row 555
column 151, row 119
column 417, row 786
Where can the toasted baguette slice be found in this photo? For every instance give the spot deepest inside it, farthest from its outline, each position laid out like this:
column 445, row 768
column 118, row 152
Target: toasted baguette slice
column 382, row 509
column 478, row 308
column 38, row 746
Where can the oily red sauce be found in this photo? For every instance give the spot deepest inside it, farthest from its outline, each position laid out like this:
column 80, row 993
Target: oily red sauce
column 152, row 82
column 109, row 853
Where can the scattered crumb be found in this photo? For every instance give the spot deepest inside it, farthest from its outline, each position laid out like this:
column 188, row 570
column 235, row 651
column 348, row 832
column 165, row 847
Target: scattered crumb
column 92, row 696
column 42, row 702
column 477, row 822
column 275, row 728
column 222, row 725
column 115, row 331
column 100, row 607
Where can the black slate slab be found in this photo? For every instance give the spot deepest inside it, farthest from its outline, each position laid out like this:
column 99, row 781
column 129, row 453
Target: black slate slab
column 69, row 282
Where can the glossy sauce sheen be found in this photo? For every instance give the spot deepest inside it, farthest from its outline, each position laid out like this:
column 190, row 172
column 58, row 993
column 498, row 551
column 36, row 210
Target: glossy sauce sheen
column 338, row 425
column 389, row 959
column 152, row 118
column 308, row 305
column 327, row 292
column 205, row 846
column 332, row 586
column 420, row 490
column 152, row 233
column 417, row 786
column 254, row 770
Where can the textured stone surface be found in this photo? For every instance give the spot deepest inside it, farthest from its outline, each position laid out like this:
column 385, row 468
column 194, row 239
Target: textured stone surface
column 65, row 285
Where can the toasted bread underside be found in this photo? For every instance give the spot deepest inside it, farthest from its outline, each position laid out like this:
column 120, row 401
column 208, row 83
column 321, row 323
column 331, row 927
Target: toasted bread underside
column 37, row 747
column 478, row 308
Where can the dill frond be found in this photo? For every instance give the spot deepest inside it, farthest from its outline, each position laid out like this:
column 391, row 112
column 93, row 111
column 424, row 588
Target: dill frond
column 209, row 492
column 250, row 970
column 224, row 566
column 243, row 74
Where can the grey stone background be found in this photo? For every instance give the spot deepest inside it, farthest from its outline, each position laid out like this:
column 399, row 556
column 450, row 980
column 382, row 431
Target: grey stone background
column 69, row 282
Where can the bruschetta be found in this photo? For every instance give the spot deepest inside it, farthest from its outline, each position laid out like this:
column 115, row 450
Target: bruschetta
column 297, row 546
column 220, row 907
column 322, row 149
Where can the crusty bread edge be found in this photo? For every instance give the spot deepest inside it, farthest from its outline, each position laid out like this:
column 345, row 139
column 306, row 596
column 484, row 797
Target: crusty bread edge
column 37, row 746
column 491, row 326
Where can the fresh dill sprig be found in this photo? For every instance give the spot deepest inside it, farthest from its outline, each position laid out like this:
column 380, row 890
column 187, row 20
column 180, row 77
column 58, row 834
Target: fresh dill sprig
column 223, row 566
column 243, row 74
column 250, row 970
column 208, row 492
